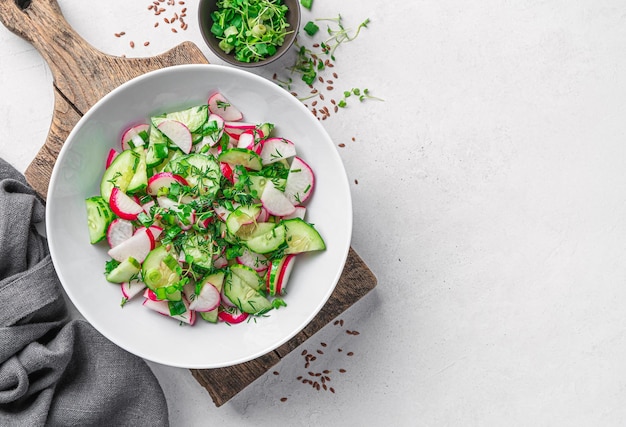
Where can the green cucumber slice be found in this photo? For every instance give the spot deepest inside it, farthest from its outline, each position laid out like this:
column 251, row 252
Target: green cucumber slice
column 193, row 117
column 250, row 277
column 250, row 231
column 301, row 237
column 139, row 181
column 200, row 171
column 157, row 147
column 120, row 172
column 125, row 271
column 159, row 269
column 267, row 242
column 99, row 217
column 201, row 249
column 244, row 297
column 241, row 156
column 244, row 214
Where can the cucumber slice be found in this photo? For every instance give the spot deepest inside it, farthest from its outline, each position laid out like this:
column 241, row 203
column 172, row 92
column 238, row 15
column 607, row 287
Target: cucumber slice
column 139, row 181
column 217, row 280
column 193, row 117
column 244, row 297
column 159, row 269
column 267, row 242
column 199, row 170
column 244, row 214
column 250, row 231
column 99, row 217
column 250, row 277
column 278, row 274
column 201, row 249
column 301, row 237
column 157, row 147
column 125, row 271
column 120, row 173
column 241, row 156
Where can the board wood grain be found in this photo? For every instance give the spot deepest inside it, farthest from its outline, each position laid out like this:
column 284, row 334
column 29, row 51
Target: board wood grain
column 81, row 76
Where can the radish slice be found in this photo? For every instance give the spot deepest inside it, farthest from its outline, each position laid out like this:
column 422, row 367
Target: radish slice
column 232, row 318
column 110, row 157
column 220, row 262
column 208, row 299
column 277, row 149
column 149, row 294
column 163, row 179
column 227, row 171
column 156, row 231
column 258, row 262
column 300, row 212
column 123, row 205
column 235, row 129
column 218, row 104
column 132, row 288
column 162, row 307
column 178, row 133
column 264, row 215
column 275, row 201
column 137, row 246
column 251, row 141
column 119, row 230
column 300, row 182
column 131, row 138
column 147, row 206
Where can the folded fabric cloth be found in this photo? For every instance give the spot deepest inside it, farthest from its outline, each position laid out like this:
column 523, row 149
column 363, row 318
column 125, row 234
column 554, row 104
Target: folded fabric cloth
column 54, row 370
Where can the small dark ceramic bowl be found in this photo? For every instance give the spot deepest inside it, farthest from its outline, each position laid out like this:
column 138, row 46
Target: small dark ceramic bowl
column 206, row 7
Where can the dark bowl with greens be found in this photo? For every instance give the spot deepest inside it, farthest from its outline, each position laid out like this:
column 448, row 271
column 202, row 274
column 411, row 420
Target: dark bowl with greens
column 249, row 33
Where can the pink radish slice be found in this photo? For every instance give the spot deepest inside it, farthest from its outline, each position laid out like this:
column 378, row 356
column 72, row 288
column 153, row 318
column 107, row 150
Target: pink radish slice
column 208, row 299
column 275, row 201
column 249, row 141
column 264, row 215
column 219, row 123
column 232, row 318
column 149, row 294
column 221, row 212
column 277, row 149
column 300, row 181
column 156, row 231
column 163, row 179
column 137, row 246
column 220, row 262
column 218, row 104
column 258, row 262
column 300, row 212
column 153, row 229
column 285, row 271
column 178, row 133
column 118, row 231
column 227, row 171
column 110, row 157
column 131, row 137
column 123, row 205
column 162, row 307
column 235, row 129
column 132, row 289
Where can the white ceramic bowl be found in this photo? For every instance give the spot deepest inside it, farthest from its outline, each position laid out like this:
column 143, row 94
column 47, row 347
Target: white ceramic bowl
column 80, row 265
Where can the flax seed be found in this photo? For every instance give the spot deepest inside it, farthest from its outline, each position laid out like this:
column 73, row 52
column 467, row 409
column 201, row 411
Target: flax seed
column 174, row 30
column 343, row 371
column 322, row 96
column 330, row 82
column 323, row 344
column 356, row 181
column 132, row 44
column 146, row 43
column 350, row 353
column 275, row 372
column 353, row 139
column 156, row 24
column 151, row 7
column 335, row 75
column 167, row 21
column 336, row 109
column 329, row 88
column 342, row 145
column 117, row 35
column 320, row 79
column 332, row 390
column 283, row 399
column 304, row 352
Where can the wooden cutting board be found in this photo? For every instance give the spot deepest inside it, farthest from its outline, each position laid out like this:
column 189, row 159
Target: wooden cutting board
column 81, row 76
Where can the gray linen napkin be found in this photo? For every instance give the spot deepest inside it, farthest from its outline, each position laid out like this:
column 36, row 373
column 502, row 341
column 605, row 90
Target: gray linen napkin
column 54, row 370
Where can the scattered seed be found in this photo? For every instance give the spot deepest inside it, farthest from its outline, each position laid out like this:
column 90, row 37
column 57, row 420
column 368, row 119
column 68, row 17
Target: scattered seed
column 353, row 139
column 323, row 344
column 336, row 109
column 275, row 372
column 330, row 82
column 332, row 390
column 350, row 353
column 283, row 399
column 336, row 322
column 356, row 181
column 151, row 7
column 174, row 30
column 314, row 103
column 146, row 43
column 342, row 145
column 335, row 75
column 339, row 350
column 343, row 371
column 320, row 352
column 304, row 352
column 132, row 44
column 156, row 24
column 167, row 21
column 299, row 378
column 329, row 88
